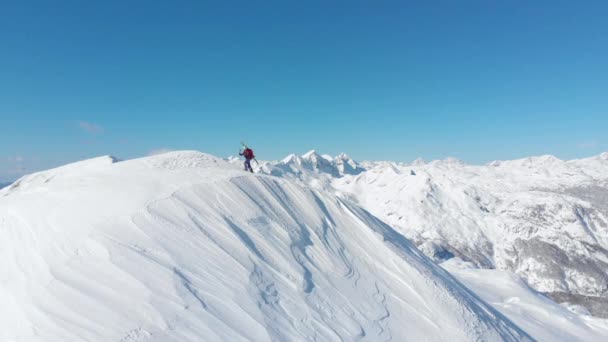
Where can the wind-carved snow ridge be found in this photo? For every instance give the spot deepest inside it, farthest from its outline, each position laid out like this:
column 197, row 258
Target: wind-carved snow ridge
column 187, row 247
column 543, row 218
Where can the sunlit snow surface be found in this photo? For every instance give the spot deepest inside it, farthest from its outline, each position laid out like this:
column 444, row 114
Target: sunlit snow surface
column 187, row 247
column 536, row 314
column 542, row 218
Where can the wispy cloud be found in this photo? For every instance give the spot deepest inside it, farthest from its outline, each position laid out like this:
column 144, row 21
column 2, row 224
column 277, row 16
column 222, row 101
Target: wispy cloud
column 588, row 144
column 159, row 151
column 90, row 128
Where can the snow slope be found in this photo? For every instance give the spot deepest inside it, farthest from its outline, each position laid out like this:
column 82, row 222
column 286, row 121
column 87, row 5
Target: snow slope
column 535, row 313
column 184, row 246
column 543, row 218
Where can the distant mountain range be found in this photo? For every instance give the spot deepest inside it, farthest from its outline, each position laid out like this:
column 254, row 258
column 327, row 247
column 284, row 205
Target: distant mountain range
column 542, row 218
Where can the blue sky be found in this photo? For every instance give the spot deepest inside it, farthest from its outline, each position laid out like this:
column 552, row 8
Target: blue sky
column 477, row 80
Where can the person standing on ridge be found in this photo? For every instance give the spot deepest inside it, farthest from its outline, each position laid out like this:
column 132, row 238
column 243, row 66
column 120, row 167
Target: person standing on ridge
column 248, row 154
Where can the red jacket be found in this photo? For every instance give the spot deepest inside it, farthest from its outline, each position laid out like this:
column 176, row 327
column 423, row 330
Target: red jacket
column 248, row 153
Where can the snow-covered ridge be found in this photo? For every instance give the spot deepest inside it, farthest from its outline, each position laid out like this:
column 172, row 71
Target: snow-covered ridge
column 69, row 170
column 543, row 218
column 185, row 246
column 313, row 162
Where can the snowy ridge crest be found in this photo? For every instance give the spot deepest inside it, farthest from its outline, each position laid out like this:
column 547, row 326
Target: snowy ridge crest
column 185, row 159
column 200, row 250
column 69, row 170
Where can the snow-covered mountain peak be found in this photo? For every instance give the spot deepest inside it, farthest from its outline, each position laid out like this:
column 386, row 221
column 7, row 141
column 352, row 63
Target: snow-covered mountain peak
column 187, row 247
column 603, row 156
column 347, row 165
column 292, row 158
column 184, row 160
column 315, row 157
column 327, row 157
column 311, row 155
column 76, row 169
column 343, row 156
column 312, row 162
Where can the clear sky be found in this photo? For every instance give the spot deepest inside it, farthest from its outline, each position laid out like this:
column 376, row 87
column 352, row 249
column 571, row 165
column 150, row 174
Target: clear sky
column 477, row 80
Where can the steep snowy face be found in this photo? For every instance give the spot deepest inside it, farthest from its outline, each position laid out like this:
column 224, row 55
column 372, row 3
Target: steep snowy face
column 187, row 247
column 544, row 218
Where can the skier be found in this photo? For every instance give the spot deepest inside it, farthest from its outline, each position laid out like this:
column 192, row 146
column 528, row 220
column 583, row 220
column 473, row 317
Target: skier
column 248, row 154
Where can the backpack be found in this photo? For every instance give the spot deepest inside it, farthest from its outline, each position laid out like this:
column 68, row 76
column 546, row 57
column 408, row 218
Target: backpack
column 248, row 153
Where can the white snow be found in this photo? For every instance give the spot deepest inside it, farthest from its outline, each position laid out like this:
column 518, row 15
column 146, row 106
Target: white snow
column 541, row 317
column 544, row 218
column 184, row 246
